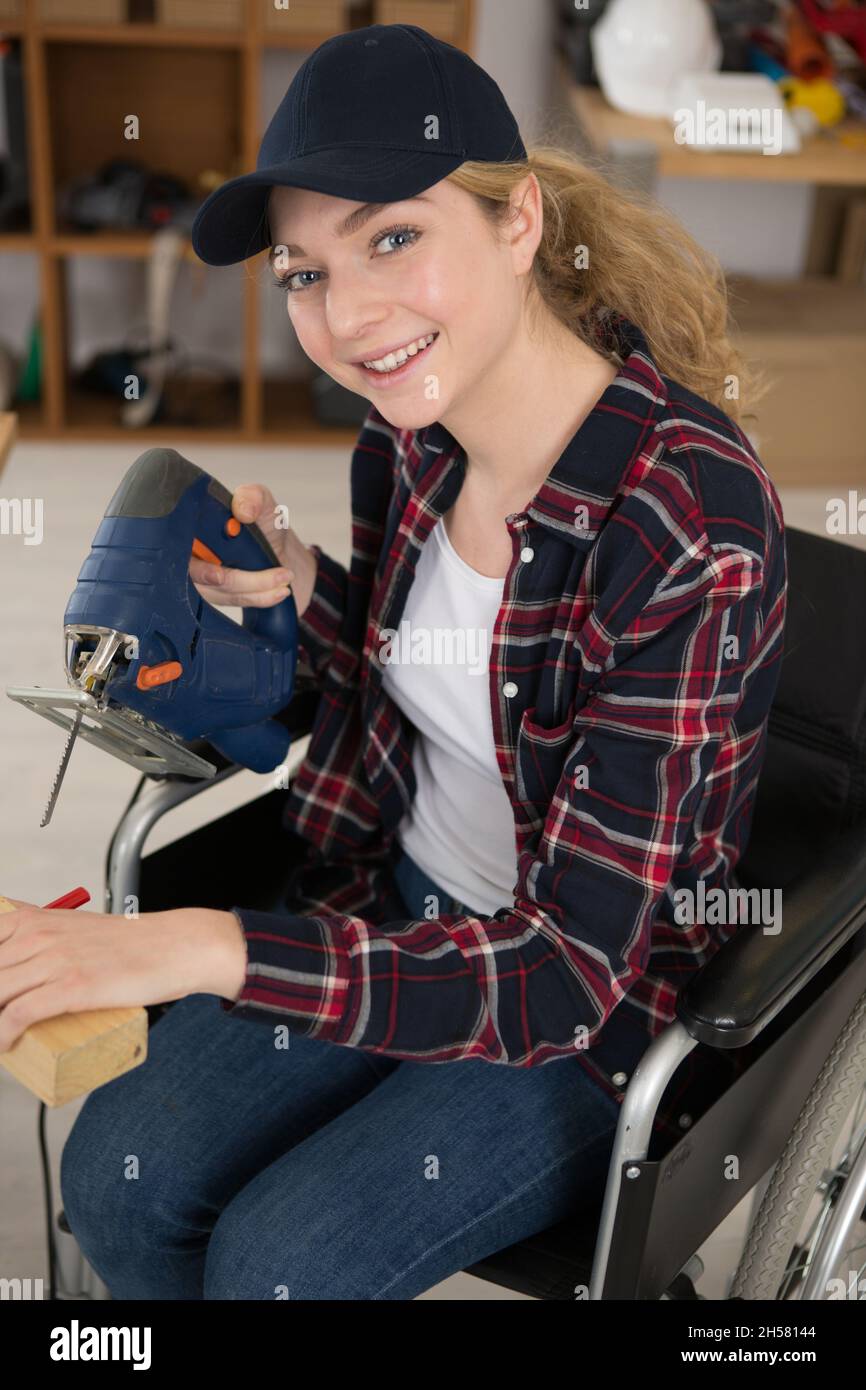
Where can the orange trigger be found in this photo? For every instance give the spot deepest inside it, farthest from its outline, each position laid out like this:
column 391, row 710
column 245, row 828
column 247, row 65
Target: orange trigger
column 203, row 552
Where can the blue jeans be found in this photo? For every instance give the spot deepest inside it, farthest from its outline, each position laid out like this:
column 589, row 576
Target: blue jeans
column 226, row 1167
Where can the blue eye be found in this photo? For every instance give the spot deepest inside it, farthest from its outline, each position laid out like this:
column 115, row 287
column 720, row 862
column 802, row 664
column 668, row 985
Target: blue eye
column 396, row 231
column 285, row 282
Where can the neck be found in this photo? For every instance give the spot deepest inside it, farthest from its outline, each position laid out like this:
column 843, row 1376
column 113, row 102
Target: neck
column 526, row 411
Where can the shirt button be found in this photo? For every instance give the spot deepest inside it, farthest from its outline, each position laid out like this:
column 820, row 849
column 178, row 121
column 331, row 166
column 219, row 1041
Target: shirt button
column 527, row 554
column 509, row 690
column 619, row 1078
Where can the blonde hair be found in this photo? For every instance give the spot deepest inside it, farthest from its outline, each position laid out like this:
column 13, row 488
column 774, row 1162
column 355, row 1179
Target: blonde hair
column 641, row 262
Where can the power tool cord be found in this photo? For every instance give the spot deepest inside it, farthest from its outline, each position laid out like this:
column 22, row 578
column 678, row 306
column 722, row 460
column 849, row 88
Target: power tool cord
column 49, row 1206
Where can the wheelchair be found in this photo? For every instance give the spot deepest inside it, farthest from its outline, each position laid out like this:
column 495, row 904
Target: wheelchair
column 792, row 1003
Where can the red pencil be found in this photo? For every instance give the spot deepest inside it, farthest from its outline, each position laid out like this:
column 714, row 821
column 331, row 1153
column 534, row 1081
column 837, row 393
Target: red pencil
column 76, row 898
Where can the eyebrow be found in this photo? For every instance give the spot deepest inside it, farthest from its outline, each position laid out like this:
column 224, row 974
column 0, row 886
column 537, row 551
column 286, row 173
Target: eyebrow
column 348, row 226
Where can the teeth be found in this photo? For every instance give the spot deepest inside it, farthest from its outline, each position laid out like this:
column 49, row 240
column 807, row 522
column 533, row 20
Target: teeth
column 396, row 359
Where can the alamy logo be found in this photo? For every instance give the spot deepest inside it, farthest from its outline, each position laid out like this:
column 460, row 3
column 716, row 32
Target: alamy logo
column 743, row 127
column 77, row 1343
column 759, row 906
column 22, row 516
column 436, row 646
column 21, row 1289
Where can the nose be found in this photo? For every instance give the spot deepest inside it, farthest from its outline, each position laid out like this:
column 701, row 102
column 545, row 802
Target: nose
column 353, row 310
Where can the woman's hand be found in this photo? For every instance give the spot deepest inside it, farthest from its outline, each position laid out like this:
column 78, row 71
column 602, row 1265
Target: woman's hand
column 57, row 961
column 228, row 588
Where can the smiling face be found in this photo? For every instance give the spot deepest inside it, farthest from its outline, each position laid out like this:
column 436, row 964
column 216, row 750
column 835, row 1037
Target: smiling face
column 365, row 287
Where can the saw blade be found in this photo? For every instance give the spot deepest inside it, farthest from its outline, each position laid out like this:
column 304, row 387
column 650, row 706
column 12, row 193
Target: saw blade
column 73, row 734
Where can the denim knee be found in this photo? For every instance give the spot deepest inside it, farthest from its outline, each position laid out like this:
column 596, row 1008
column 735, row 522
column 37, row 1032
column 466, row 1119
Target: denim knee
column 76, row 1164
column 105, row 1205
column 249, row 1256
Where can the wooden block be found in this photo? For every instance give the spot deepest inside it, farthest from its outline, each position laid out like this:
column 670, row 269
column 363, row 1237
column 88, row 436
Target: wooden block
column 65, row 1057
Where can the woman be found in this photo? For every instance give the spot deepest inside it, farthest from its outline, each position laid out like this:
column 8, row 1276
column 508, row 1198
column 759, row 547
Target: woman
column 550, row 491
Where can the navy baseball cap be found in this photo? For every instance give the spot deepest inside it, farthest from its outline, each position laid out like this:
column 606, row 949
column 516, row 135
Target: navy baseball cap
column 375, row 115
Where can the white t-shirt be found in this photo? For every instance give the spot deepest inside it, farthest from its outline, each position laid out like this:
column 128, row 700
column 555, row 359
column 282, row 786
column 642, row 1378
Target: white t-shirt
column 460, row 826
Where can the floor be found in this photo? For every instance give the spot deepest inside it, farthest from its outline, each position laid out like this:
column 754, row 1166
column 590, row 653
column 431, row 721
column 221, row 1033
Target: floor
column 75, row 484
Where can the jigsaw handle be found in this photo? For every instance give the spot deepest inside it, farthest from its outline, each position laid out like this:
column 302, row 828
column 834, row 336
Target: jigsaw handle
column 216, row 678
column 162, row 484
column 244, row 546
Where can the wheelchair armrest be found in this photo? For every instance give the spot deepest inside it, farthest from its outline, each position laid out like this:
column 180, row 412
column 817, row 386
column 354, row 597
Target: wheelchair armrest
column 750, row 979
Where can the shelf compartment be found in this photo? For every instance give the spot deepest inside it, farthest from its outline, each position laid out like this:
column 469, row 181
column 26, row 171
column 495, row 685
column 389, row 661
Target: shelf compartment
column 142, row 35
column 289, row 415
column 188, row 102
column 98, row 417
column 81, row 11
column 444, row 19
column 216, row 14
column 302, row 18
column 135, row 245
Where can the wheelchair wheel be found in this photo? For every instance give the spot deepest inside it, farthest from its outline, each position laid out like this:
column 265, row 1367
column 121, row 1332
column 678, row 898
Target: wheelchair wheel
column 808, row 1238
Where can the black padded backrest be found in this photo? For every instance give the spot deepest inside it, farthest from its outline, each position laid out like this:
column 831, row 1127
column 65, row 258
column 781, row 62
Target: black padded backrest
column 813, row 782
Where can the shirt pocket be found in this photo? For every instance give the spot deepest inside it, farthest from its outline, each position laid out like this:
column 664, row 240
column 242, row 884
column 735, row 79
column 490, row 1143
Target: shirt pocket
column 541, row 756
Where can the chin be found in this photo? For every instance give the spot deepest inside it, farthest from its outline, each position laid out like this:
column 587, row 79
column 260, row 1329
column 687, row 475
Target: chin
column 408, row 415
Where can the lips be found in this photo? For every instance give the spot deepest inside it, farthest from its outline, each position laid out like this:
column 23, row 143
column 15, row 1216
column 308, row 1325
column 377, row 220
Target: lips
column 394, row 379
column 379, row 354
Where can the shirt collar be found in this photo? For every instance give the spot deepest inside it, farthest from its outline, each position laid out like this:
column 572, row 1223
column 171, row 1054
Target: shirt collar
column 589, row 472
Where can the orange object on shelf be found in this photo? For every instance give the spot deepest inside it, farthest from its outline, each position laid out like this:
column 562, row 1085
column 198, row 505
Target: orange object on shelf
column 805, row 54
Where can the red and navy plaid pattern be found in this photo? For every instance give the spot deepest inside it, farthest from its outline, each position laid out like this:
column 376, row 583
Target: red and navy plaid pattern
column 641, row 627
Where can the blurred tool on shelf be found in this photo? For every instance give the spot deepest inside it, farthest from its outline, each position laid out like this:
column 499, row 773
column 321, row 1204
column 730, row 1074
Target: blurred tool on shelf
column 641, row 48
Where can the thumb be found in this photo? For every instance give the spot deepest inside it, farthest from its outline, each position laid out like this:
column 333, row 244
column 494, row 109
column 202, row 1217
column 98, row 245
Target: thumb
column 247, row 502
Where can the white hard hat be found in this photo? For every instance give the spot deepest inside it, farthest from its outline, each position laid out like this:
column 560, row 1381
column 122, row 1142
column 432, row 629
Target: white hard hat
column 641, row 46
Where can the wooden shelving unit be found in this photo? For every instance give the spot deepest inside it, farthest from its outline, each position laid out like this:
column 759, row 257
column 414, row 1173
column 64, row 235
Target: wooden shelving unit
column 198, row 93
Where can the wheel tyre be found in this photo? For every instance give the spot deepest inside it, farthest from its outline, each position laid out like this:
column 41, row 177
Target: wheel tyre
column 807, row 1153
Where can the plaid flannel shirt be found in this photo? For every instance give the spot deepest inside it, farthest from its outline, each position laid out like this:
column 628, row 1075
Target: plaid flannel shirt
column 633, row 664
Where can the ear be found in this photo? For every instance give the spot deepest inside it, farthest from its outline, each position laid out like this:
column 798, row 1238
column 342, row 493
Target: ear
column 526, row 224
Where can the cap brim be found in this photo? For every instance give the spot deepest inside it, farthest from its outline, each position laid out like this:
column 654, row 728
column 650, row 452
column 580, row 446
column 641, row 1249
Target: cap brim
column 230, row 224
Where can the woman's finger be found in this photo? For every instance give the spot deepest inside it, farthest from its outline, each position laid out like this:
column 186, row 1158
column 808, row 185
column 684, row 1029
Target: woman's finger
column 248, row 501
column 220, row 599
column 45, row 1001
column 22, row 975
column 235, row 581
